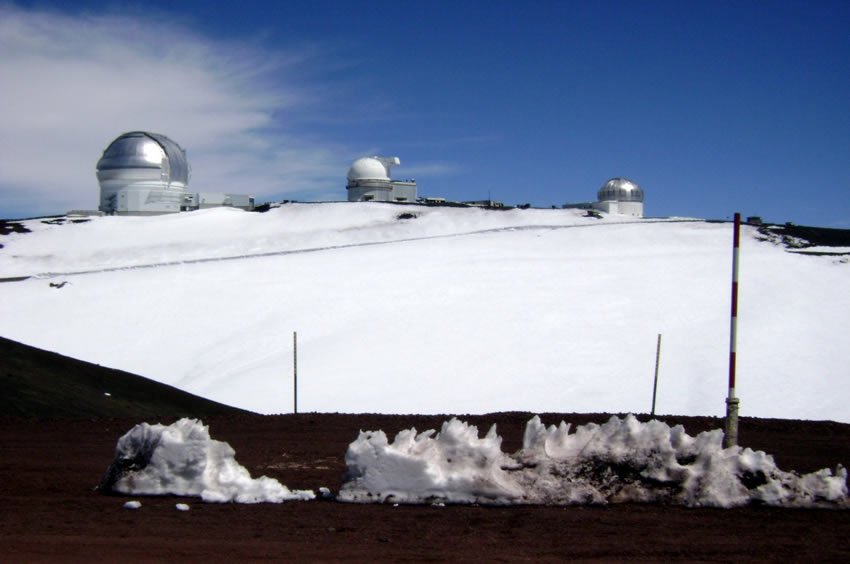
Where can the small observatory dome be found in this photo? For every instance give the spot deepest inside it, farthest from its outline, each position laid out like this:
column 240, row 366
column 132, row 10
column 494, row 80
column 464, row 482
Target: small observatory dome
column 620, row 190
column 369, row 181
column 142, row 173
column 368, row 168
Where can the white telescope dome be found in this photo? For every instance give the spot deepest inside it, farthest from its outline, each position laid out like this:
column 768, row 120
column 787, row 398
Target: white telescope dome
column 620, row 190
column 369, row 181
column 369, row 168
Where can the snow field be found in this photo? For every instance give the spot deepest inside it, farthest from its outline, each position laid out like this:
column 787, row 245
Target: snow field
column 455, row 311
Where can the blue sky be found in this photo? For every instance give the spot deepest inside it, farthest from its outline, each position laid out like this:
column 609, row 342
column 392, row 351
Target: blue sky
column 712, row 107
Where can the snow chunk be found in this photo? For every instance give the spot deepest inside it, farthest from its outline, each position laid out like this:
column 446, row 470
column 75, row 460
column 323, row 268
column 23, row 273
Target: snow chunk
column 455, row 465
column 132, row 505
column 181, row 507
column 182, row 459
column 622, row 460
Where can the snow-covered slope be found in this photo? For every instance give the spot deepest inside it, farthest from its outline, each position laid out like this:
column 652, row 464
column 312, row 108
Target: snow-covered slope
column 453, row 311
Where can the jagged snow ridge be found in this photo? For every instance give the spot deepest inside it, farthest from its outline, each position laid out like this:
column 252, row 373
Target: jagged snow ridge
column 622, row 460
column 182, row 459
column 456, row 466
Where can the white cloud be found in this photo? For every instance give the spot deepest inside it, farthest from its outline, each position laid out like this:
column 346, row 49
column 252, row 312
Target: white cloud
column 72, row 83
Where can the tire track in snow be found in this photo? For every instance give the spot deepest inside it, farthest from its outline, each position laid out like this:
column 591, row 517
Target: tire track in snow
column 165, row 264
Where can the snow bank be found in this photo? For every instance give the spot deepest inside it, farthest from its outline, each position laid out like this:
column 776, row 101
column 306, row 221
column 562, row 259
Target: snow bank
column 182, row 459
column 622, row 460
column 455, row 466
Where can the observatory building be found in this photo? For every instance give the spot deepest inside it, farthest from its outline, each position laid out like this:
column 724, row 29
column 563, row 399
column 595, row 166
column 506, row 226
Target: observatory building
column 142, row 173
column 369, row 181
column 620, row 196
column 617, row 196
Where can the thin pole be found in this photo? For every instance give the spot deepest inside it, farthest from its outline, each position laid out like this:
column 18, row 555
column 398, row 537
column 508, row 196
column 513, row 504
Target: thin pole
column 657, row 361
column 731, row 436
column 295, row 371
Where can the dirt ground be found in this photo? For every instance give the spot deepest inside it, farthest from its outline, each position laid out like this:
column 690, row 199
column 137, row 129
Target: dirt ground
column 49, row 510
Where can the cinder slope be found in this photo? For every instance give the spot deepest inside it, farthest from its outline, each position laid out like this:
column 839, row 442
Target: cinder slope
column 37, row 383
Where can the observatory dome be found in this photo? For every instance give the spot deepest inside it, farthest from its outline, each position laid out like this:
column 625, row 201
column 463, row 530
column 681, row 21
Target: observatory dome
column 142, row 173
column 143, row 150
column 368, row 168
column 620, row 190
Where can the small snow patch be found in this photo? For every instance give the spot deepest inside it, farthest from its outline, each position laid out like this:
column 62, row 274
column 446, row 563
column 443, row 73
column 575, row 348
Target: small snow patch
column 132, row 505
column 182, row 507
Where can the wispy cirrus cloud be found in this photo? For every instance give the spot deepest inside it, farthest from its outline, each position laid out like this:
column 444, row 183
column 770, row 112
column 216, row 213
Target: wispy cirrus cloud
column 72, row 83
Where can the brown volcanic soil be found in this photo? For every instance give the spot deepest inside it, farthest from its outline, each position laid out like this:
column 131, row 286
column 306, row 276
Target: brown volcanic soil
column 58, row 434
column 49, row 511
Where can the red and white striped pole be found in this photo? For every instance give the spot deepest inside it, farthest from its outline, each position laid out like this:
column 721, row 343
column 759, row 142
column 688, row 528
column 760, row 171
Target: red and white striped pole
column 731, row 436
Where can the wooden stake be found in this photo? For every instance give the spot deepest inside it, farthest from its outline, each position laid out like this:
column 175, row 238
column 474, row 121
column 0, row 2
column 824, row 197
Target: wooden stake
column 295, row 371
column 657, row 362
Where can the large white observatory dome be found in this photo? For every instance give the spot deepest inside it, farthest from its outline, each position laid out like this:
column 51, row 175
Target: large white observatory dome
column 620, row 190
column 142, row 173
column 369, row 168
